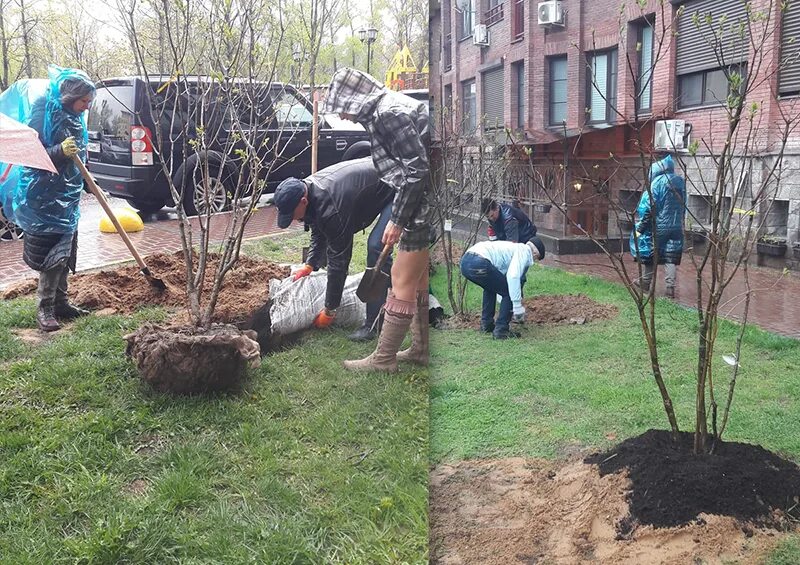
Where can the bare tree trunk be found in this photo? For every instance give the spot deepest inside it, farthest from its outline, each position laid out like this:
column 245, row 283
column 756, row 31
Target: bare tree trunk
column 26, row 39
column 3, row 48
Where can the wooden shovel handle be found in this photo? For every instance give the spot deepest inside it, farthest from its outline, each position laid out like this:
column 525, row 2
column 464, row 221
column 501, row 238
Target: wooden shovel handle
column 387, row 250
column 104, row 203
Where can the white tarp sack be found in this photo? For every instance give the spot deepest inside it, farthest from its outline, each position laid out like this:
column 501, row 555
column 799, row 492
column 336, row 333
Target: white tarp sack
column 295, row 304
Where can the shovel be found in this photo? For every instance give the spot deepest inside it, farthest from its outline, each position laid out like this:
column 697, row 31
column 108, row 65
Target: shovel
column 374, row 281
column 154, row 282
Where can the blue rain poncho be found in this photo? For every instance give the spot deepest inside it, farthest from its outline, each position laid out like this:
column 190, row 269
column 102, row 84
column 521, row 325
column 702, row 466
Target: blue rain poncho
column 668, row 204
column 38, row 201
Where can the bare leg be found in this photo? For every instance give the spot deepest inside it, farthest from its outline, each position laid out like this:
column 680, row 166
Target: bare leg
column 409, row 274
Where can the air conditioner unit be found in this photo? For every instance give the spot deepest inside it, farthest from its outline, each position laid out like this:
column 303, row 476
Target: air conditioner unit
column 551, row 13
column 672, row 135
column 480, row 35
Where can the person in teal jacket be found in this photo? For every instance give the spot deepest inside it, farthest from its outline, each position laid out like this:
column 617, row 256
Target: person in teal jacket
column 668, row 207
column 43, row 204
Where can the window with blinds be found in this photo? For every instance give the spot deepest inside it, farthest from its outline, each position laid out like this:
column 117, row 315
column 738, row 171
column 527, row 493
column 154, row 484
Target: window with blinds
column 602, row 86
column 789, row 75
column 493, row 99
column 468, row 106
column 558, row 90
column 712, row 34
column 713, row 44
column 644, row 84
column 522, row 94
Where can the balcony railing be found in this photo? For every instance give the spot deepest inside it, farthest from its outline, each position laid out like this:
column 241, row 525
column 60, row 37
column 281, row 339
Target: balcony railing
column 493, row 15
column 448, row 52
column 518, row 25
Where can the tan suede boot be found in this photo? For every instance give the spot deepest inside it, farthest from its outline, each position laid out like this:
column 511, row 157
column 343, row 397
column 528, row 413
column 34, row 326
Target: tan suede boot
column 419, row 352
column 396, row 320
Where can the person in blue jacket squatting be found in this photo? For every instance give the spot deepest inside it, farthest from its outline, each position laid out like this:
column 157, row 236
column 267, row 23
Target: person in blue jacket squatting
column 46, row 205
column 506, row 222
column 668, row 206
column 498, row 267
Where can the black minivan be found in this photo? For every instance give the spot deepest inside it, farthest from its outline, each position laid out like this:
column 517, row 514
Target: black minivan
column 122, row 136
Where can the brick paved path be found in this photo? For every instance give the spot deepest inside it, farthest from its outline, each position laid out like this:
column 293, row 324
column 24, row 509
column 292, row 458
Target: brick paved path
column 774, row 304
column 97, row 249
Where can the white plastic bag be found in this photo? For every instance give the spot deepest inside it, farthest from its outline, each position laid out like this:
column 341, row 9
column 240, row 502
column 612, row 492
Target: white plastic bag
column 295, row 304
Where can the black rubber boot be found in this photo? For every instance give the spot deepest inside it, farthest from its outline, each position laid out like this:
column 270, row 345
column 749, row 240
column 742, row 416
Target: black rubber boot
column 505, row 334
column 67, row 311
column 48, row 286
column 45, row 317
column 370, row 329
column 364, row 333
column 63, row 309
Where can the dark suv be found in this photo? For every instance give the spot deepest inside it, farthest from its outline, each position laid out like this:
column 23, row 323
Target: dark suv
column 122, row 132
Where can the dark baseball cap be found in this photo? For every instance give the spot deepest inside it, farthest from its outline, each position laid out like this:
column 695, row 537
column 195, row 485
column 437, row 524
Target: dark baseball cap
column 538, row 244
column 287, row 196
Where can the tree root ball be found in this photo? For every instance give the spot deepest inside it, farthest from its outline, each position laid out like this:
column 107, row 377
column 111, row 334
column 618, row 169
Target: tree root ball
column 188, row 360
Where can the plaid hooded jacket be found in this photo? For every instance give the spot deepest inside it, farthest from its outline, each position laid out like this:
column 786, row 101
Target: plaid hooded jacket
column 399, row 135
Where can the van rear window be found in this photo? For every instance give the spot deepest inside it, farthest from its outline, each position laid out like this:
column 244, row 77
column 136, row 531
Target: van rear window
column 111, row 112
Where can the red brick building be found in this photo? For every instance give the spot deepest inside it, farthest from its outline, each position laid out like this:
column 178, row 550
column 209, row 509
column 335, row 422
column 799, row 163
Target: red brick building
column 572, row 89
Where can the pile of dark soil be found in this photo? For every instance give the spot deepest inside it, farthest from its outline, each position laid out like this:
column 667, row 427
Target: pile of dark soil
column 671, row 486
column 125, row 290
column 524, row 511
column 566, row 309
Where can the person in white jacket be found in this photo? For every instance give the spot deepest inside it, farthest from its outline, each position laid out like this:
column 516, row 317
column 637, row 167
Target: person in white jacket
column 498, row 267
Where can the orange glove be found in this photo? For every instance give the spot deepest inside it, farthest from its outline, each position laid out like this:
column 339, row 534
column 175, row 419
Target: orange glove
column 324, row 319
column 303, row 271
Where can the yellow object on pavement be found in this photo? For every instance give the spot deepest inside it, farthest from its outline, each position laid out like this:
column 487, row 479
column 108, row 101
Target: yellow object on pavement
column 128, row 219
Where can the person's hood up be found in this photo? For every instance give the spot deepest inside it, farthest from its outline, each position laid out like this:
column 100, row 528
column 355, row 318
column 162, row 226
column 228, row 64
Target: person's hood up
column 70, row 84
column 664, row 166
column 353, row 92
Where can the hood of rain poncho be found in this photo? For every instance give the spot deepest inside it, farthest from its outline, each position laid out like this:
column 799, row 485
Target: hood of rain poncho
column 669, row 195
column 353, row 92
column 665, row 165
column 36, row 200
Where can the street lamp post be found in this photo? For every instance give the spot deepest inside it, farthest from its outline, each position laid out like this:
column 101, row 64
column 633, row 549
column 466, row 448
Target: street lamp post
column 369, row 35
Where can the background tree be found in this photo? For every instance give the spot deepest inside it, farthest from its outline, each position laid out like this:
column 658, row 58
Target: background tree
column 739, row 173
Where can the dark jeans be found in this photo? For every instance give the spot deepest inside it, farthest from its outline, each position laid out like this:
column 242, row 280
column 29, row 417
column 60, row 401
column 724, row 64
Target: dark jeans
column 480, row 271
column 374, row 248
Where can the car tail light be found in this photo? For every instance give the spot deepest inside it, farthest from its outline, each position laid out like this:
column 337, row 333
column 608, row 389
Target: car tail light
column 141, row 146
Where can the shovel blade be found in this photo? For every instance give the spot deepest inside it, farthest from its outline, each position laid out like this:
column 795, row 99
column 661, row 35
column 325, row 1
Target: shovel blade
column 373, row 285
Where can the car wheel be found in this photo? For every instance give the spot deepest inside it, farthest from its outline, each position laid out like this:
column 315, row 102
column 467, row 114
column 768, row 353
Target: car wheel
column 195, row 200
column 145, row 206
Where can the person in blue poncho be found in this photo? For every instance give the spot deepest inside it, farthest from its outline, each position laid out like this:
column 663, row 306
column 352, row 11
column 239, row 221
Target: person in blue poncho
column 668, row 206
column 46, row 205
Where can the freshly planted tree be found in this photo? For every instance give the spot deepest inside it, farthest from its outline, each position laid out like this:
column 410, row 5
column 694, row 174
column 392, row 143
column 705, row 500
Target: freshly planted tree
column 735, row 170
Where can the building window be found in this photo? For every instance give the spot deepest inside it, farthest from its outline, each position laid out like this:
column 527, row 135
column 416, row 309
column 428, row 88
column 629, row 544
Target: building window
column 493, row 100
column 602, row 86
column 706, row 36
column 469, row 107
column 644, row 84
column 708, row 88
column 518, row 24
column 558, row 90
column 494, row 14
column 789, row 77
column 519, row 85
column 467, row 8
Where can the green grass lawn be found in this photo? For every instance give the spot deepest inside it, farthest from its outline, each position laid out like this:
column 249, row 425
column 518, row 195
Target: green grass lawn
column 309, row 464
column 563, row 390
